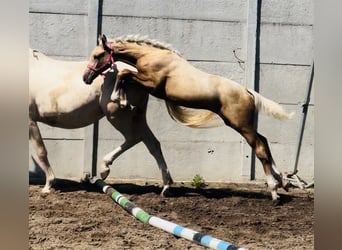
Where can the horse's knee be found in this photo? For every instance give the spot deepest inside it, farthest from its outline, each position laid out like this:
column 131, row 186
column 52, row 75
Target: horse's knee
column 42, row 153
column 111, row 108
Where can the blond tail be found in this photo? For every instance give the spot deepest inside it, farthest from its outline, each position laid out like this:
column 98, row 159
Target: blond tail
column 194, row 118
column 269, row 107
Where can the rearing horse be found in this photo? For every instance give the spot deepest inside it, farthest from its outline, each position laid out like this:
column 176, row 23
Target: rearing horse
column 167, row 75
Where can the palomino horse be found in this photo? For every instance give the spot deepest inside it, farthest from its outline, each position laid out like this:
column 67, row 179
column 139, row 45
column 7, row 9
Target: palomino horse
column 59, row 98
column 165, row 74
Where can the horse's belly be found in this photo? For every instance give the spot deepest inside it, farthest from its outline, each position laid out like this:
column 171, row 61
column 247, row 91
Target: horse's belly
column 64, row 115
column 195, row 96
column 71, row 120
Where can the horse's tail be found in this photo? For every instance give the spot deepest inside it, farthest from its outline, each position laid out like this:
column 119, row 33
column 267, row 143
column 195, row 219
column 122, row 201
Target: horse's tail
column 269, row 107
column 194, row 118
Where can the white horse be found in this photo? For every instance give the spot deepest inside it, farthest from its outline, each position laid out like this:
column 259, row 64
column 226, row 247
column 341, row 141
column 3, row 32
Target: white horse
column 59, row 98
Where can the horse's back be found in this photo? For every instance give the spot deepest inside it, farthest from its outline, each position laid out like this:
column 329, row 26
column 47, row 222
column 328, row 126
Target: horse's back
column 57, row 94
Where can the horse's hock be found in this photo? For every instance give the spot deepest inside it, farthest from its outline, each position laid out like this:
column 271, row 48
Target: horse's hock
column 207, row 36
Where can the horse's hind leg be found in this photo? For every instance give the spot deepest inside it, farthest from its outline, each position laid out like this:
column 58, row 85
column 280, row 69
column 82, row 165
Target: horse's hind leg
column 240, row 117
column 40, row 155
column 153, row 145
column 262, row 151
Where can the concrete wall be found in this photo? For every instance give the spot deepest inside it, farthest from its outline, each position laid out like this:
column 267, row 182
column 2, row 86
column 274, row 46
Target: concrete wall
column 286, row 52
column 207, row 33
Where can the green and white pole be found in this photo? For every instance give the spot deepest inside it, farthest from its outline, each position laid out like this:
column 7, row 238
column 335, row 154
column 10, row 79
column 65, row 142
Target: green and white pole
column 180, row 231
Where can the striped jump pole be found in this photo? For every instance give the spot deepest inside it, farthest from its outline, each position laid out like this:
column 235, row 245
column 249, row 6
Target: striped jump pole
column 180, row 231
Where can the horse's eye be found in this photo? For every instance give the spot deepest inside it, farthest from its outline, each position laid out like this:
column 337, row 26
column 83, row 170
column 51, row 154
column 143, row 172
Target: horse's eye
column 97, row 57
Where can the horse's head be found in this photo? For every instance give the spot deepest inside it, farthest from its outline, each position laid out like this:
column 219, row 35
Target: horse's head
column 101, row 58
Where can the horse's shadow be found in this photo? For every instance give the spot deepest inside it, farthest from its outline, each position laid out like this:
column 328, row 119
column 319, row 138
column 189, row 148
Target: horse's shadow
column 65, row 185
column 220, row 193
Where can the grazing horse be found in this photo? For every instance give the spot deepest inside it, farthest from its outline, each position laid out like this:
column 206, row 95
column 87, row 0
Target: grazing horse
column 164, row 73
column 59, row 98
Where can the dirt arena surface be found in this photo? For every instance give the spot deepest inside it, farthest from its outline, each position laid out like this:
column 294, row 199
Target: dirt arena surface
column 79, row 216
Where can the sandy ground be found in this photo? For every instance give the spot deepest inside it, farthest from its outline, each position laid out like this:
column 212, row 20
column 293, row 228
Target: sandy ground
column 79, row 216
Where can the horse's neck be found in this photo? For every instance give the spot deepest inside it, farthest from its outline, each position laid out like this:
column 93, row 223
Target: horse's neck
column 126, row 58
column 38, row 58
column 128, row 52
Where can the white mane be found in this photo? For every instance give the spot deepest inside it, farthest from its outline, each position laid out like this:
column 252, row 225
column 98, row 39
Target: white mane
column 139, row 39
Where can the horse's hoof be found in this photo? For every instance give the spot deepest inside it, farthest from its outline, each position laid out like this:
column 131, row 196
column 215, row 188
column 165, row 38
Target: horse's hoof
column 85, row 178
column 276, row 202
column 166, row 191
column 46, row 190
column 104, row 174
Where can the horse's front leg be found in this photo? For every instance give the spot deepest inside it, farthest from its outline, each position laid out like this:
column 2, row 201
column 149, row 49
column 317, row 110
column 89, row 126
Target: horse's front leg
column 116, row 95
column 39, row 155
column 111, row 156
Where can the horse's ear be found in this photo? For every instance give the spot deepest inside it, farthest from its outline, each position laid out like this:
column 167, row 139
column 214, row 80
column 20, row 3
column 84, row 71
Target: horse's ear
column 104, row 44
column 102, row 39
column 99, row 39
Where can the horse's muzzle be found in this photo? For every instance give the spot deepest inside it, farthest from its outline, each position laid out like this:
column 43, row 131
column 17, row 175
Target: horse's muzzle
column 88, row 81
column 88, row 77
